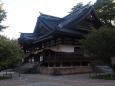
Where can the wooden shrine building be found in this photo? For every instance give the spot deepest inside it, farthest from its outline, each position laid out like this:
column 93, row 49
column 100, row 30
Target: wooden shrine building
column 55, row 42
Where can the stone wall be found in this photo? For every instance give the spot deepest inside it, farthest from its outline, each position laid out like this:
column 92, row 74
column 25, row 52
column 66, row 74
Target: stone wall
column 65, row 70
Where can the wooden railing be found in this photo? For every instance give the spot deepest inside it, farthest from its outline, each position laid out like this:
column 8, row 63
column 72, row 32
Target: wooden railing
column 64, row 57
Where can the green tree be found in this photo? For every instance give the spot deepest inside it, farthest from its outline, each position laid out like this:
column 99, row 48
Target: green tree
column 10, row 52
column 100, row 44
column 79, row 5
column 2, row 17
column 105, row 10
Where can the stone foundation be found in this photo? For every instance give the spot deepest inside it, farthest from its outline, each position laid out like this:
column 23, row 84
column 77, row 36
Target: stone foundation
column 65, row 70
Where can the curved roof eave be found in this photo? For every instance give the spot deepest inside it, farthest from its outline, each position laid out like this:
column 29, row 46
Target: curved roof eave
column 43, row 37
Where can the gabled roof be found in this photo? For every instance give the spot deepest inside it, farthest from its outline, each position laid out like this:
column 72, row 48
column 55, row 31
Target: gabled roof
column 62, row 25
column 78, row 15
column 50, row 22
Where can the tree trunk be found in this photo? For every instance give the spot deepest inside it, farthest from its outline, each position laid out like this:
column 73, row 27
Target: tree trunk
column 6, row 71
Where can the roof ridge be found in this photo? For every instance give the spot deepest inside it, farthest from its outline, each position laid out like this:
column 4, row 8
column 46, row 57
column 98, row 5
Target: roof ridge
column 49, row 16
column 78, row 10
column 73, row 17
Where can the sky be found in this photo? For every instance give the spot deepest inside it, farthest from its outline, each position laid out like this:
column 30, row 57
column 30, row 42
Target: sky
column 22, row 14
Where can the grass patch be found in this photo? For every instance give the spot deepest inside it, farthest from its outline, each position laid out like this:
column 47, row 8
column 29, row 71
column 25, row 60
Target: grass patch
column 105, row 77
column 5, row 77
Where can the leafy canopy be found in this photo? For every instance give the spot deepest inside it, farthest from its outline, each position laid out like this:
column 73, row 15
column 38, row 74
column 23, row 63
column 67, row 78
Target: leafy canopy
column 10, row 52
column 100, row 44
column 105, row 10
column 2, row 16
column 79, row 5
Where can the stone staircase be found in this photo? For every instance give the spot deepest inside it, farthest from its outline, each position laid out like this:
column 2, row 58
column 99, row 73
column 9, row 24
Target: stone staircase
column 28, row 65
column 25, row 67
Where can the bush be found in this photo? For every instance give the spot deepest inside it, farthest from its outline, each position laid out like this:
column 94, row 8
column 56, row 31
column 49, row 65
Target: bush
column 5, row 77
column 105, row 77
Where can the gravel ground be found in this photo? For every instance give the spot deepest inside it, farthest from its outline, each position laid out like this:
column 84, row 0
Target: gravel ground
column 49, row 80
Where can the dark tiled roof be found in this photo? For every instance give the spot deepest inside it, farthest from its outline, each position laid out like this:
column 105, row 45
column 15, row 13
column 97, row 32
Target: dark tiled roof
column 50, row 22
column 32, row 38
column 76, row 16
column 27, row 37
column 56, row 24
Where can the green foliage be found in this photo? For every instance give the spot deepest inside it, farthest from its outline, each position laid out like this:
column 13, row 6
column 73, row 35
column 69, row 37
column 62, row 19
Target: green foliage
column 2, row 17
column 79, row 5
column 105, row 77
column 105, row 10
column 10, row 52
column 100, row 44
column 3, row 78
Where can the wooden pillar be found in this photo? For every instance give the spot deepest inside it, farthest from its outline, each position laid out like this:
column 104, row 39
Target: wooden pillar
column 48, row 58
column 62, row 40
column 73, row 41
column 71, row 64
column 43, row 54
column 55, row 60
column 55, row 41
column 61, row 64
column 49, row 43
column 80, row 63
